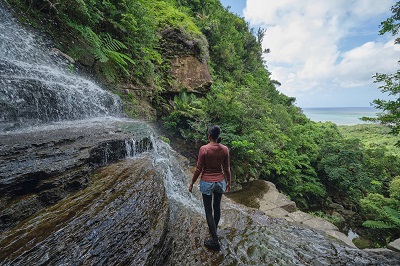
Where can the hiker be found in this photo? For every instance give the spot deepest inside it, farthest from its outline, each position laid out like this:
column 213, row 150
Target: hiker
column 213, row 164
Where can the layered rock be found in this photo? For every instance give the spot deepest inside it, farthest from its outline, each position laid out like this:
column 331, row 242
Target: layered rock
column 187, row 59
column 40, row 167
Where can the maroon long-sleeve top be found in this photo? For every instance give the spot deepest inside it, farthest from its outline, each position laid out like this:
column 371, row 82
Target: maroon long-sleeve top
column 213, row 163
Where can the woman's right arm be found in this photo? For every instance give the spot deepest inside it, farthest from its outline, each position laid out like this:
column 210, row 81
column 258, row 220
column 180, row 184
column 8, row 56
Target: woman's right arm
column 199, row 169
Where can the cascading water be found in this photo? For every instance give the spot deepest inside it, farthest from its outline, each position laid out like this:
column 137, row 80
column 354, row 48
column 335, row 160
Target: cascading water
column 175, row 179
column 36, row 87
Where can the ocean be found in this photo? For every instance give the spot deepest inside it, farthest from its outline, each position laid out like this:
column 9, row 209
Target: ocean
column 340, row 115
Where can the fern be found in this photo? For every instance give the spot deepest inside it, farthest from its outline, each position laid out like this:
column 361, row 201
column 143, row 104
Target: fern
column 378, row 224
column 120, row 59
column 99, row 55
column 112, row 44
column 188, row 105
column 105, row 49
column 393, row 217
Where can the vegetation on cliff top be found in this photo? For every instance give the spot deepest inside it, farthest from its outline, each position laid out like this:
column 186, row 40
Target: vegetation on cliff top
column 268, row 136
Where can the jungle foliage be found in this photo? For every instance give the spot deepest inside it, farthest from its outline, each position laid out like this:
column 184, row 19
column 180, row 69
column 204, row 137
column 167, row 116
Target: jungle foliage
column 268, row 136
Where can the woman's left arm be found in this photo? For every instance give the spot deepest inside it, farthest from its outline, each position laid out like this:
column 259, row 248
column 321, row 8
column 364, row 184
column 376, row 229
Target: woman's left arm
column 227, row 171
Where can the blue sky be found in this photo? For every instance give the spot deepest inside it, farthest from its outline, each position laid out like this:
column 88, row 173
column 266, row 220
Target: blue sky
column 324, row 53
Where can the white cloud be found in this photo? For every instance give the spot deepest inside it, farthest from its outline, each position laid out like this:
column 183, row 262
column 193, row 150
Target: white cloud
column 309, row 53
column 359, row 64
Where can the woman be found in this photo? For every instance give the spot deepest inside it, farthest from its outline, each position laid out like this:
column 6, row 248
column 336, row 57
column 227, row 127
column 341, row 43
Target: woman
column 213, row 164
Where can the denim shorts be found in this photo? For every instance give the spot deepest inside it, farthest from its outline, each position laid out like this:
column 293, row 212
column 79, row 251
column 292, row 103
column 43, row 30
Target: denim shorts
column 209, row 187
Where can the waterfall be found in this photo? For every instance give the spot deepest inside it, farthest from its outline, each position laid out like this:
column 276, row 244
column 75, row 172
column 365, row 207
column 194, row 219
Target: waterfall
column 134, row 147
column 36, row 86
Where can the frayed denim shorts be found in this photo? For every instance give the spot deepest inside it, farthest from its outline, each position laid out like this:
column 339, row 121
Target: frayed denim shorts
column 209, row 187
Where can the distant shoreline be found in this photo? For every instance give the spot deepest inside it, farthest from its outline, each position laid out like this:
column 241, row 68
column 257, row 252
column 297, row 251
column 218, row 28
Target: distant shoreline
column 348, row 107
column 340, row 115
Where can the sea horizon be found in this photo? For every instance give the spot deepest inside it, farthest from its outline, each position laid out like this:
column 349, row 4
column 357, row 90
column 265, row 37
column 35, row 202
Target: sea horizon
column 340, row 115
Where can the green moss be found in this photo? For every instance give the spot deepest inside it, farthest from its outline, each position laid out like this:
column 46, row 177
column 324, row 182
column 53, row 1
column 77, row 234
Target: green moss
column 165, row 139
column 363, row 243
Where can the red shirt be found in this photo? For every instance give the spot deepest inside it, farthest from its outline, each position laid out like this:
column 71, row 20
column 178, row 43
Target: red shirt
column 213, row 163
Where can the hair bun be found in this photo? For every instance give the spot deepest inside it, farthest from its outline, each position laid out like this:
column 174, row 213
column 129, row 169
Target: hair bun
column 214, row 131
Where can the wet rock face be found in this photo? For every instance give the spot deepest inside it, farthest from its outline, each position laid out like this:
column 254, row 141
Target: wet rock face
column 121, row 218
column 39, row 168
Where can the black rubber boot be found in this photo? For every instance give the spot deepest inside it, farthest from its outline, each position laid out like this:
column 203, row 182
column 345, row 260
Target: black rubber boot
column 212, row 244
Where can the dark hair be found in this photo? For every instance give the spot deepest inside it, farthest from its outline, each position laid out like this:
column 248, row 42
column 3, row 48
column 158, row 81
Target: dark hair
column 214, row 131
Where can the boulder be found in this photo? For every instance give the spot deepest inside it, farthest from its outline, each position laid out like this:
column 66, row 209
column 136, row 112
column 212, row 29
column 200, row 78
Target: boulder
column 277, row 205
column 189, row 61
column 191, row 74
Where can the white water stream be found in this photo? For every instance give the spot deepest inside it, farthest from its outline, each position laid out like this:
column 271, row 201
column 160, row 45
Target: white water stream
column 37, row 86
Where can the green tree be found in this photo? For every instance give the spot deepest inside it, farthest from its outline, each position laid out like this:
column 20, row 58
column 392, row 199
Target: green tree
column 391, row 82
column 342, row 170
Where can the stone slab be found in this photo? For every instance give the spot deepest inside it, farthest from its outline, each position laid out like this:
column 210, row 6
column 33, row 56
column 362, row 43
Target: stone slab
column 277, row 213
column 266, row 206
column 395, row 245
column 271, row 185
column 320, row 224
column 300, row 216
column 279, row 200
column 271, row 196
column 289, row 219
